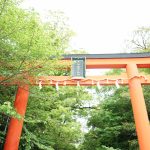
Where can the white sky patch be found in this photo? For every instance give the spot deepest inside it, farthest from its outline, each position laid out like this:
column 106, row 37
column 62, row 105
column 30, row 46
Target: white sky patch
column 101, row 26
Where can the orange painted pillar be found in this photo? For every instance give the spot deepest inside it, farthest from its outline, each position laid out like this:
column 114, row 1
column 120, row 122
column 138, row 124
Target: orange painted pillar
column 15, row 125
column 139, row 108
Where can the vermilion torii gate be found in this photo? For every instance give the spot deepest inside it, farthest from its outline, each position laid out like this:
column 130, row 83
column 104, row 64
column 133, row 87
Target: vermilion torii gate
column 131, row 62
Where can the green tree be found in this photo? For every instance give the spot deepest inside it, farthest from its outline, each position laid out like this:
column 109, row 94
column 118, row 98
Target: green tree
column 50, row 121
column 112, row 123
column 29, row 42
column 27, row 46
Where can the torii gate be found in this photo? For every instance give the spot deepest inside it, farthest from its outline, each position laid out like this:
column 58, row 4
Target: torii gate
column 130, row 61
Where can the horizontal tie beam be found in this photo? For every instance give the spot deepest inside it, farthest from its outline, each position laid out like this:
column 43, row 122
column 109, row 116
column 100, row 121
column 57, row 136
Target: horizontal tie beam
column 88, row 81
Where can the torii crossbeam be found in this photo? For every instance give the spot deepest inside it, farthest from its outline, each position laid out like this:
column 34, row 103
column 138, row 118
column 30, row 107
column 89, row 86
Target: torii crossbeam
column 130, row 61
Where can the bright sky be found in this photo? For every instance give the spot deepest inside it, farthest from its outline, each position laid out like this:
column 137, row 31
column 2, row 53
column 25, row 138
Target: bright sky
column 101, row 26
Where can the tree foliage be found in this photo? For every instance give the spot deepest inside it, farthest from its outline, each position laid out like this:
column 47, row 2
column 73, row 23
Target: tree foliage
column 141, row 39
column 28, row 41
column 50, row 120
column 30, row 46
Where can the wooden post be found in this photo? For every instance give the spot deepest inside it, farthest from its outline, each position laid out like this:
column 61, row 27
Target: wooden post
column 15, row 125
column 139, row 107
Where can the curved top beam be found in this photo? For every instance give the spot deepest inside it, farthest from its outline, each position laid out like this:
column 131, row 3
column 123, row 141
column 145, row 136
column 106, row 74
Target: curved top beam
column 104, row 56
column 95, row 61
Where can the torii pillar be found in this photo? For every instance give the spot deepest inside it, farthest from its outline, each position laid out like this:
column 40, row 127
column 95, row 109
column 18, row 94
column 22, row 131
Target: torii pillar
column 15, row 125
column 139, row 107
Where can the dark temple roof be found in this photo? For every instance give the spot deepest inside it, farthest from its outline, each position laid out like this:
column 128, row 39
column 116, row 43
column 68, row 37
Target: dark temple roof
column 103, row 56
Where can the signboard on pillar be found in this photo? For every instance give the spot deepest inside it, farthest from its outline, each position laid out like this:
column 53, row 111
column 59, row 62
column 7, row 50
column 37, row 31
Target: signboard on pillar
column 78, row 69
